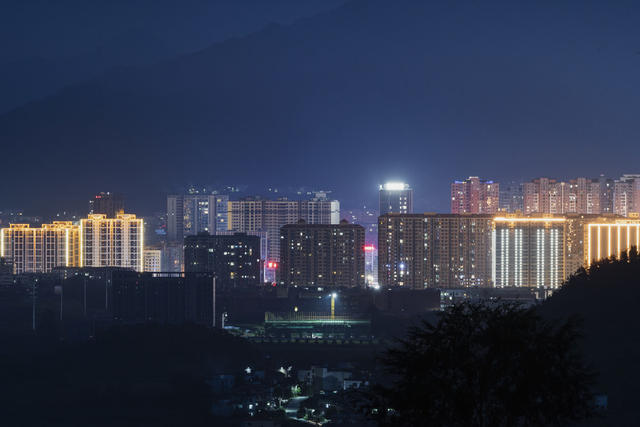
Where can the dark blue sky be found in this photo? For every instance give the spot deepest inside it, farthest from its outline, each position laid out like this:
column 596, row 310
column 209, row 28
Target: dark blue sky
column 421, row 91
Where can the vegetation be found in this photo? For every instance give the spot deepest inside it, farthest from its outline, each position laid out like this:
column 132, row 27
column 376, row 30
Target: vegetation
column 487, row 365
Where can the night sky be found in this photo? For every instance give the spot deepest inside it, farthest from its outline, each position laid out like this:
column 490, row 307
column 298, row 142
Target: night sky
column 144, row 97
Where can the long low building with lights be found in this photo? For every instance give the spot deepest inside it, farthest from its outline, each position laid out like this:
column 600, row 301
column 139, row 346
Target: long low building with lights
column 457, row 251
column 528, row 252
column 606, row 238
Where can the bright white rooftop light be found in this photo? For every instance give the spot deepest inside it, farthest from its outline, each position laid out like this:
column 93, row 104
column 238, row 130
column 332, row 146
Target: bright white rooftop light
column 394, row 186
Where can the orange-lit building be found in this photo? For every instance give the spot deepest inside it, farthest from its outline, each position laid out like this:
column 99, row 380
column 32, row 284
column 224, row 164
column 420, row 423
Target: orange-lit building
column 39, row 250
column 606, row 238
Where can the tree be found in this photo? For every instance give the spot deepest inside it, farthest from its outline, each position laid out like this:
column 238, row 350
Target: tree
column 487, row 365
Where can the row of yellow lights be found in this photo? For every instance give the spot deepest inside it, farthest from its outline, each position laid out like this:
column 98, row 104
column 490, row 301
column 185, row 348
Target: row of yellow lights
column 68, row 226
column 619, row 226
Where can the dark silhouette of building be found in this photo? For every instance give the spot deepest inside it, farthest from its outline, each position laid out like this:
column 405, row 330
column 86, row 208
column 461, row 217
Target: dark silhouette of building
column 106, row 203
column 322, row 254
column 162, row 297
column 234, row 259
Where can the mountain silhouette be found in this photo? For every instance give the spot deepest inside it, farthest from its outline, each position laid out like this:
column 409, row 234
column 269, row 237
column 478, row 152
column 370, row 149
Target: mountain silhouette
column 369, row 91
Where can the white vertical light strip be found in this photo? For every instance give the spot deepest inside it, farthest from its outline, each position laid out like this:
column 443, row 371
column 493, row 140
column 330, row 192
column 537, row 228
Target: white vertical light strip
column 2, row 242
column 554, row 259
column 506, row 258
column 599, row 244
column 141, row 247
column 542, row 255
column 502, row 255
column 589, row 244
column 628, row 242
column 618, row 227
column 538, row 258
column 493, row 257
column 66, row 244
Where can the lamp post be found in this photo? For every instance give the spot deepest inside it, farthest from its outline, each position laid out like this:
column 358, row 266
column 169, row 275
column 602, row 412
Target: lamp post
column 333, row 305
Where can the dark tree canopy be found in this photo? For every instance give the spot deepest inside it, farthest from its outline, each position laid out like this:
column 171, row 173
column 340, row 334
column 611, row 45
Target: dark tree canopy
column 488, row 365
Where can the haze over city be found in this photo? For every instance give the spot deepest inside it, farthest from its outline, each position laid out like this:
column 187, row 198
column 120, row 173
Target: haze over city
column 322, row 212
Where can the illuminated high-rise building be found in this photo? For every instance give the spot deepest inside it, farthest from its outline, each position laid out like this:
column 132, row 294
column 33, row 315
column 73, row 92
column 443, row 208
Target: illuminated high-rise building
column 528, row 251
column 606, row 238
column 322, row 255
column 253, row 214
column 434, row 250
column 39, row 250
column 190, row 214
column 475, row 196
column 396, row 197
column 107, row 203
column 112, row 242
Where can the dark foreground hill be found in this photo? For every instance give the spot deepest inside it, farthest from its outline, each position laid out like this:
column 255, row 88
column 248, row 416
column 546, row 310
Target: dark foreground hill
column 607, row 298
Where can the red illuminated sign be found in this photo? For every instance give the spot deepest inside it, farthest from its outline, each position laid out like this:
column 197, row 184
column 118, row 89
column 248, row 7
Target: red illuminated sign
column 272, row 265
column 369, row 248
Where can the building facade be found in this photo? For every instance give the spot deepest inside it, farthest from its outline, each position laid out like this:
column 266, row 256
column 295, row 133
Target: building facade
column 152, row 261
column 107, row 203
column 511, row 198
column 322, row 255
column 251, row 215
column 548, row 196
column 475, row 196
column 434, row 250
column 626, row 195
column 39, row 250
column 396, row 197
column 528, row 251
column 190, row 214
column 112, row 242
column 605, row 238
column 233, row 259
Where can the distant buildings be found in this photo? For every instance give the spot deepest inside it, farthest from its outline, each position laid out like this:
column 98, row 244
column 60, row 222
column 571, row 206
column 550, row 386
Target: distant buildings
column 506, row 250
column 152, row 261
column 322, row 255
column 252, row 214
column 112, row 242
column 528, row 251
column 233, row 259
column 39, row 250
column 583, row 196
column 434, row 250
column 190, row 214
column 396, row 197
column 475, row 196
column 109, row 204
column 626, row 195
column 511, row 198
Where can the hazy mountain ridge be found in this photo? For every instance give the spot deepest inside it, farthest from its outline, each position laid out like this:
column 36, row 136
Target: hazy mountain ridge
column 372, row 89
